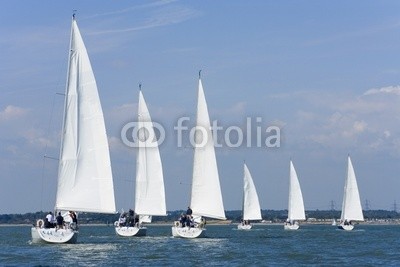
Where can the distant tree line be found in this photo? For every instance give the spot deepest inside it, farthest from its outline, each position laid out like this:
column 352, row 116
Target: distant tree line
column 233, row 215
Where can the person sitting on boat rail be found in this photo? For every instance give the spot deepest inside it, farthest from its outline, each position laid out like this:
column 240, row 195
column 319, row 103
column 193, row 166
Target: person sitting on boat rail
column 50, row 219
column 60, row 221
column 46, row 223
column 189, row 221
column 74, row 224
column 182, row 220
column 73, row 217
column 136, row 220
column 122, row 219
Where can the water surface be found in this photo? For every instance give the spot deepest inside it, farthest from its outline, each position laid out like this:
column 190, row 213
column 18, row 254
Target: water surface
column 367, row 245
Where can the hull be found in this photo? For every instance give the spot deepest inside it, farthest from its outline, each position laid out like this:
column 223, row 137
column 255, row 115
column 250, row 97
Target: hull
column 188, row 232
column 348, row 227
column 291, row 226
column 52, row 235
column 130, row 231
column 244, row 227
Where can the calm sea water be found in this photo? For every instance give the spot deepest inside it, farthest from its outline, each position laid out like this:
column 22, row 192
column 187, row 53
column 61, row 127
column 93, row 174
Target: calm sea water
column 264, row 245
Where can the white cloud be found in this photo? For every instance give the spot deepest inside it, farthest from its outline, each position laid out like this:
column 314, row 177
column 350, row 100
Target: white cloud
column 158, row 18
column 344, row 121
column 12, row 112
column 37, row 138
column 358, row 127
column 130, row 9
column 384, row 90
column 387, row 134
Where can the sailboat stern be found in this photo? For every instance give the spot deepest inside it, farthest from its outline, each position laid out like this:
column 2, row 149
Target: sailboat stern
column 288, row 226
column 53, row 235
column 127, row 231
column 188, row 232
column 244, row 226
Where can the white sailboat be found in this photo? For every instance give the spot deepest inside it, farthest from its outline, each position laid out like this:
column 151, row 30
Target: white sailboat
column 296, row 204
column 85, row 182
column 149, row 189
column 351, row 206
column 206, row 197
column 251, row 205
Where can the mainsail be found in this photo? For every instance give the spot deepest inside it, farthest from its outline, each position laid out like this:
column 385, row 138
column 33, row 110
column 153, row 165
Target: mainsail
column 251, row 205
column 206, row 197
column 150, row 192
column 85, row 181
column 296, row 204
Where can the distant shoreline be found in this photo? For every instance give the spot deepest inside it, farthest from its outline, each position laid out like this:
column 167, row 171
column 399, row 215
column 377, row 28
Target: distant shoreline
column 213, row 223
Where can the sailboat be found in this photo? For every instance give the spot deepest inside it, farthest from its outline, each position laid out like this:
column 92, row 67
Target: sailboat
column 296, row 203
column 351, row 206
column 206, row 197
column 85, row 182
column 251, row 205
column 150, row 192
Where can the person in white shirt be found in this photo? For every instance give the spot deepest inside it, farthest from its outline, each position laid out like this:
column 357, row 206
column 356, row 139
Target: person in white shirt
column 50, row 219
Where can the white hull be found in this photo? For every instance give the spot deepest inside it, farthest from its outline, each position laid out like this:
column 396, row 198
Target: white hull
column 244, row 227
column 188, row 232
column 53, row 235
column 130, row 231
column 291, row 226
column 348, row 227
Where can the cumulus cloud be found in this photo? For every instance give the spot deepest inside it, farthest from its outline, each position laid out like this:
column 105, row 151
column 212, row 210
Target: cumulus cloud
column 358, row 127
column 12, row 112
column 344, row 121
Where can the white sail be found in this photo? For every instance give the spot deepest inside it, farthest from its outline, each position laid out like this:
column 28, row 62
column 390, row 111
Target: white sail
column 206, row 197
column 351, row 206
column 145, row 219
column 150, row 192
column 296, row 204
column 251, row 205
column 85, row 181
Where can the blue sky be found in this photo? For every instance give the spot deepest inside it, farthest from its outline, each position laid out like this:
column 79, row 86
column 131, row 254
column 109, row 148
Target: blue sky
column 327, row 73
